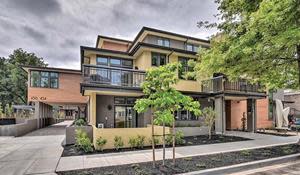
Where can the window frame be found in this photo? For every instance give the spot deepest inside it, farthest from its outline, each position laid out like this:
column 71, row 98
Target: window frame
column 158, row 59
column 188, row 113
column 186, row 68
column 194, row 47
column 109, row 64
column 49, row 78
column 163, row 41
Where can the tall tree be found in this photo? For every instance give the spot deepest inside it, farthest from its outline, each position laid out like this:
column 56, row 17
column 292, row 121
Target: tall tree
column 13, row 80
column 258, row 39
column 164, row 100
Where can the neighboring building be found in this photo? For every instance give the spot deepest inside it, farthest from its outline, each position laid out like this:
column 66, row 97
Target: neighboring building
column 57, row 87
column 112, row 72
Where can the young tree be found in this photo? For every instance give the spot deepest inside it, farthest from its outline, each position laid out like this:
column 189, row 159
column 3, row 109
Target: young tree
column 209, row 115
column 258, row 39
column 163, row 99
column 1, row 110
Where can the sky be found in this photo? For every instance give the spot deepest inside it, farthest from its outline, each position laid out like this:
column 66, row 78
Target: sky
column 55, row 29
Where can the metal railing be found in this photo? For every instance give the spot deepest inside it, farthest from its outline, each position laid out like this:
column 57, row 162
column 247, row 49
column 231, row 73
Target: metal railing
column 220, row 84
column 114, row 76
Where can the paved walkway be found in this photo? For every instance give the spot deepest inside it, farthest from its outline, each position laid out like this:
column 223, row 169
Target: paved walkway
column 289, row 168
column 36, row 152
column 101, row 160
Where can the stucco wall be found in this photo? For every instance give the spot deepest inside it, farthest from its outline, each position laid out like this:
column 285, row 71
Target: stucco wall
column 193, row 131
column 114, row 46
column 125, row 133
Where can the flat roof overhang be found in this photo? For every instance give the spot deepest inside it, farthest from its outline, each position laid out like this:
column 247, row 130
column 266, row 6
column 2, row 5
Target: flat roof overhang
column 50, row 69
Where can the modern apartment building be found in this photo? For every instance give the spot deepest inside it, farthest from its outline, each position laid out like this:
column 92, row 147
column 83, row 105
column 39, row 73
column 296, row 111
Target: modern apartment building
column 112, row 72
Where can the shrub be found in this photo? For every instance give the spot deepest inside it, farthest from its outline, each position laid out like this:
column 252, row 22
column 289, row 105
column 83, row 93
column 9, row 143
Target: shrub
column 83, row 142
column 132, row 142
column 140, row 141
column 156, row 141
column 100, row 142
column 80, row 122
column 118, row 142
column 178, row 138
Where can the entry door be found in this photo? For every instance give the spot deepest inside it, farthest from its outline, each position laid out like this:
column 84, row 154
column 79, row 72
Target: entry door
column 125, row 117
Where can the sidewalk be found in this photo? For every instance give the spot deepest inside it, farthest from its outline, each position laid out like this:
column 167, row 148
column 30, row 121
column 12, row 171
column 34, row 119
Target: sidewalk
column 36, row 152
column 101, row 160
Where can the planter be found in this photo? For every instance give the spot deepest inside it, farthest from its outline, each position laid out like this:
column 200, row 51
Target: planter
column 193, row 131
column 70, row 133
column 7, row 121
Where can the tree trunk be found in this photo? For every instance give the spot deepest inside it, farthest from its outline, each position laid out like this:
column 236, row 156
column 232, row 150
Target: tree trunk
column 164, row 145
column 209, row 133
column 298, row 60
column 173, row 133
column 153, row 144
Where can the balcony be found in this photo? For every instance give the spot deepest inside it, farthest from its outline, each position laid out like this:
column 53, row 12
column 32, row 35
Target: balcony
column 220, row 84
column 112, row 76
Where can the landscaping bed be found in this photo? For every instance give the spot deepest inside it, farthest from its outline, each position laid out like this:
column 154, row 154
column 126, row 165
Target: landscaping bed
column 275, row 133
column 194, row 163
column 71, row 150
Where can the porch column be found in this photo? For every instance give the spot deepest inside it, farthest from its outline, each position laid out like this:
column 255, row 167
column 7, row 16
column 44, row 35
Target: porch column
column 251, row 115
column 92, row 112
column 220, row 124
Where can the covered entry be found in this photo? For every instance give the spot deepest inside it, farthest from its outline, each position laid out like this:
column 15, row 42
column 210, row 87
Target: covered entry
column 240, row 113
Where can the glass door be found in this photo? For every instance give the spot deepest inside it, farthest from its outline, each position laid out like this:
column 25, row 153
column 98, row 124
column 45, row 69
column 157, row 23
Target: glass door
column 125, row 117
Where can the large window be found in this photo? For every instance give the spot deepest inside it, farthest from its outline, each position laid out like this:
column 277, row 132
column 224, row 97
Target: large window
column 184, row 115
column 114, row 62
column 44, row 79
column 163, row 42
column 158, row 59
column 185, row 68
column 191, row 47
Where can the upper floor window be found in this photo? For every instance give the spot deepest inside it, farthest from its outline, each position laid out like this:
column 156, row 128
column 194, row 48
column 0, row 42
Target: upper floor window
column 191, row 47
column 44, row 79
column 114, row 62
column 163, row 42
column 158, row 59
column 185, row 68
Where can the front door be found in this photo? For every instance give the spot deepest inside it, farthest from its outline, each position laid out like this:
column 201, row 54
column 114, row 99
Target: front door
column 125, row 117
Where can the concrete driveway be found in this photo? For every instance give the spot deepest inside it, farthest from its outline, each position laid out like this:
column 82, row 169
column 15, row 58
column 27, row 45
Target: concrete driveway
column 35, row 153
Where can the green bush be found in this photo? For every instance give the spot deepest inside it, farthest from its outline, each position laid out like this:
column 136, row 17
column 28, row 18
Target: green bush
column 156, row 141
column 178, row 138
column 80, row 122
column 83, row 142
column 140, row 141
column 100, row 142
column 132, row 142
column 118, row 142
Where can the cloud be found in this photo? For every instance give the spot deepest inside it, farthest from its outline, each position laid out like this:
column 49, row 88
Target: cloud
column 55, row 30
column 40, row 8
column 36, row 35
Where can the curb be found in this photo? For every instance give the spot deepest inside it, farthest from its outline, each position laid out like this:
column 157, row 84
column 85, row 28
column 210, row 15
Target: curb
column 245, row 166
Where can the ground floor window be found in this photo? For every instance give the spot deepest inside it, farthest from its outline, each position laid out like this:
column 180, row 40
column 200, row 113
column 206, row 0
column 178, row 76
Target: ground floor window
column 125, row 117
column 184, row 115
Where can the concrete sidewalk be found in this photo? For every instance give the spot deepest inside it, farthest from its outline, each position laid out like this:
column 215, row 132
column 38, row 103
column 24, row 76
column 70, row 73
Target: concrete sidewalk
column 101, row 160
column 36, row 152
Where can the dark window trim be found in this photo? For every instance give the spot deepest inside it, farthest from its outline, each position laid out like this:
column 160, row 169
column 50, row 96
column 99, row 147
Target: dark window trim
column 112, row 65
column 186, row 68
column 127, row 104
column 193, row 47
column 158, row 60
column 49, row 79
column 188, row 113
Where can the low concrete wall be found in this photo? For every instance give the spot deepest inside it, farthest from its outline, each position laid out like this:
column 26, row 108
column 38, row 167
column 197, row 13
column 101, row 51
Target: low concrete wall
column 126, row 133
column 70, row 133
column 20, row 129
column 193, row 131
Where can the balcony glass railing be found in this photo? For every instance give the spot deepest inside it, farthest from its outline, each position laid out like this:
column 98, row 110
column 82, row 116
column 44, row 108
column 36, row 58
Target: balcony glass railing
column 220, row 84
column 114, row 76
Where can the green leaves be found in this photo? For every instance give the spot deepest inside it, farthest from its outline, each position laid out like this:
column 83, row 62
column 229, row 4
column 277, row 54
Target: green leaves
column 258, row 41
column 13, row 80
column 162, row 97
